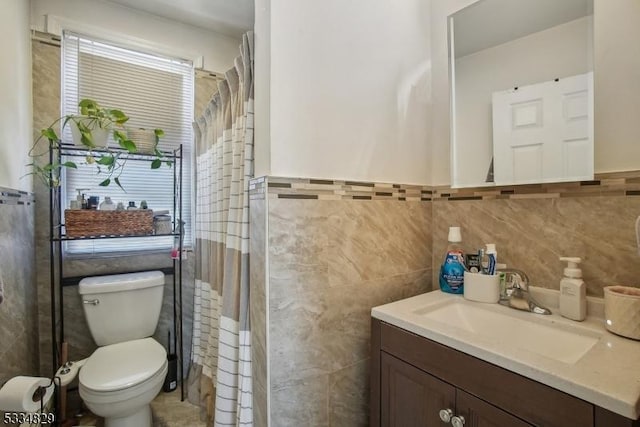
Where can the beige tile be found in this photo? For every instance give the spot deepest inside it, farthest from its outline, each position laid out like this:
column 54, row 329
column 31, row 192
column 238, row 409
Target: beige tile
column 625, row 174
column 321, row 331
column 535, row 196
column 378, row 239
column 298, row 245
column 315, row 188
column 330, row 197
column 353, row 241
column 533, row 234
column 18, row 311
column 330, row 262
column 349, row 395
column 300, row 402
column 614, row 181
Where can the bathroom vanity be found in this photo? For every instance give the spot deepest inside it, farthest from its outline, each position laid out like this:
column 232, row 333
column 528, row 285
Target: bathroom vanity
column 438, row 359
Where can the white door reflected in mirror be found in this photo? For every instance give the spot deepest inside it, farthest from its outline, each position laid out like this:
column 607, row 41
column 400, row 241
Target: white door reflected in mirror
column 544, row 132
column 541, row 132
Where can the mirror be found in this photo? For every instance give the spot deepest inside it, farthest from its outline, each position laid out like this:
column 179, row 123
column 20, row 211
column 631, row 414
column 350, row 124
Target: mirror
column 521, row 74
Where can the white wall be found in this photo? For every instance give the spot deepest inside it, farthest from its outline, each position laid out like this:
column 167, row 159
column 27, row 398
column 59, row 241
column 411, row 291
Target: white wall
column 262, row 88
column 439, row 137
column 617, row 85
column 616, row 91
column 154, row 32
column 561, row 51
column 15, row 95
column 349, row 89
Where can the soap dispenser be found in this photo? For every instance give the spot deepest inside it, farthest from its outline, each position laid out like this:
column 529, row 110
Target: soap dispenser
column 573, row 291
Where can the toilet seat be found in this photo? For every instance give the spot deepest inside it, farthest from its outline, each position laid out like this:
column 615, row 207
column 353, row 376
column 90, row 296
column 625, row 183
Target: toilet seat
column 123, row 368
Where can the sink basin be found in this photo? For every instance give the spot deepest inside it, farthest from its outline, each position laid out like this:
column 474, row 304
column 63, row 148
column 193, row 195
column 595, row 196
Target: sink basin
column 533, row 335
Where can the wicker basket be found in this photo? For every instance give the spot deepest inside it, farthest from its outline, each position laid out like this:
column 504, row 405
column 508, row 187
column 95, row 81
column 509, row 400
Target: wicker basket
column 145, row 139
column 94, row 223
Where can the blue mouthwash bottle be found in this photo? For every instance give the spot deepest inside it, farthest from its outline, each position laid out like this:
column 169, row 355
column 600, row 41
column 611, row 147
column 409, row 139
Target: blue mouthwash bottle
column 452, row 270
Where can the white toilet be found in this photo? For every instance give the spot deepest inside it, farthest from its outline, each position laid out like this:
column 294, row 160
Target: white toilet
column 126, row 372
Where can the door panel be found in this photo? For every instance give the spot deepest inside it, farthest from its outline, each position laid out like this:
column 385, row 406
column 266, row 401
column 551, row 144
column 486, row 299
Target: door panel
column 575, row 127
column 576, row 155
column 411, row 397
column 527, row 163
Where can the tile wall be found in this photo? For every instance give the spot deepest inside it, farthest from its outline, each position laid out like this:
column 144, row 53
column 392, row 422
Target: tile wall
column 18, row 311
column 335, row 250
column 534, row 225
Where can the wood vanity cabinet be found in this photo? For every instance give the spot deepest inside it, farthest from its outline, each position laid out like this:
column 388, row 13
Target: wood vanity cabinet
column 413, row 398
column 414, row 378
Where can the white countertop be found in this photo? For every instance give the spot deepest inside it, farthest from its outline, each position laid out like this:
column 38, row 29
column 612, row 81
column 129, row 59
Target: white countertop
column 608, row 375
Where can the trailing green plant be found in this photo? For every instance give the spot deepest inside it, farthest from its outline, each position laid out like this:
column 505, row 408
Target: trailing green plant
column 107, row 160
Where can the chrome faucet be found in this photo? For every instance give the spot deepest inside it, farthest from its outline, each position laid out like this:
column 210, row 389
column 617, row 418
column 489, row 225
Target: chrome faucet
column 516, row 293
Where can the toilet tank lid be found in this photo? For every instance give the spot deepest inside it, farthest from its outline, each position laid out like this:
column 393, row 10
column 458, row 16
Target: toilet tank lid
column 120, row 282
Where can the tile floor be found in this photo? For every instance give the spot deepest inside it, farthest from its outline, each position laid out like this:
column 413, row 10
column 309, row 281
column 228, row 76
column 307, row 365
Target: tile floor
column 168, row 411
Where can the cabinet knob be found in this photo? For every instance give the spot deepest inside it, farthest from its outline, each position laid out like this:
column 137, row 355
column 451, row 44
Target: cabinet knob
column 457, row 421
column 445, row 415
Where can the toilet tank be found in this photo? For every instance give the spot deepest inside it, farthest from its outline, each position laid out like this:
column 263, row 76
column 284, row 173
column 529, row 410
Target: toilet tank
column 122, row 307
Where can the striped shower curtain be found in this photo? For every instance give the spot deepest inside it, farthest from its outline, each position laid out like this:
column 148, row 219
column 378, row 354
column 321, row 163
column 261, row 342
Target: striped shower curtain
column 220, row 375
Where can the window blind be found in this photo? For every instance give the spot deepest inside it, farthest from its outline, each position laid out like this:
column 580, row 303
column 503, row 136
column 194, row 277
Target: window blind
column 155, row 92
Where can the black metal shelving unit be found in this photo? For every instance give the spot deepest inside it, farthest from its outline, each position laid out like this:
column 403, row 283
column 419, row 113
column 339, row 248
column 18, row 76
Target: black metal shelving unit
column 57, row 237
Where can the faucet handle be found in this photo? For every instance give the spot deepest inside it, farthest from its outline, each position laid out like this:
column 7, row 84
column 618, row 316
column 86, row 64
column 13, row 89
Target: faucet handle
column 516, row 278
column 515, row 282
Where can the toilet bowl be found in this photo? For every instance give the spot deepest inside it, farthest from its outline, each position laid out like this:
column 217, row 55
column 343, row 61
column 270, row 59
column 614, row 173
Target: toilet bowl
column 121, row 378
column 119, row 381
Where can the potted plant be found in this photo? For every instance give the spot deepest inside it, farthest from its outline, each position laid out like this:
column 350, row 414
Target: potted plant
column 91, row 129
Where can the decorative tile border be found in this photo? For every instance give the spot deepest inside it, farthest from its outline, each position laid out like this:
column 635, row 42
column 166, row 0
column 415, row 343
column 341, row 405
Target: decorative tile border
column 623, row 184
column 323, row 189
column 604, row 184
column 9, row 196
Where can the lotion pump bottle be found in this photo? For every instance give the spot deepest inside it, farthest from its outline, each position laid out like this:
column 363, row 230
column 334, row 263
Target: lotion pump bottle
column 573, row 291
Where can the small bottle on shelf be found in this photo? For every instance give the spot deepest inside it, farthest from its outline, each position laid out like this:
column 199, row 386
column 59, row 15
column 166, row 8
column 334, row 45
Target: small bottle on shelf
column 107, row 204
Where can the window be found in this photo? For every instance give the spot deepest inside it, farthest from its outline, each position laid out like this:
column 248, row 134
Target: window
column 155, row 92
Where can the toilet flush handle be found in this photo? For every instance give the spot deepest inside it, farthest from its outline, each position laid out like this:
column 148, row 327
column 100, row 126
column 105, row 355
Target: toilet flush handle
column 91, row 301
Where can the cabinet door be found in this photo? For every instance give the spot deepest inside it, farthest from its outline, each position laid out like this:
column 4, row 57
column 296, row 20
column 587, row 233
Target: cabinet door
column 478, row 413
column 411, row 397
